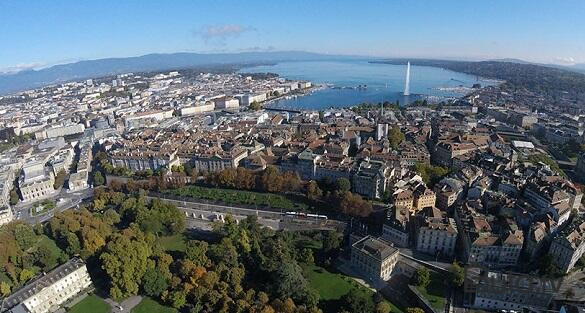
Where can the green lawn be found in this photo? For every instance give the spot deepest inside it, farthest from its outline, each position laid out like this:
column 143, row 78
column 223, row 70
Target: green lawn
column 332, row 286
column 91, row 304
column 173, row 243
column 147, row 305
column 435, row 291
column 329, row 285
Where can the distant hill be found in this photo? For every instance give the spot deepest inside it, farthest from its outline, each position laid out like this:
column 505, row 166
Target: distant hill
column 538, row 78
column 152, row 62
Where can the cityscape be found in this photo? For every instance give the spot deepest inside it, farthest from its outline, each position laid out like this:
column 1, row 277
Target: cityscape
column 284, row 181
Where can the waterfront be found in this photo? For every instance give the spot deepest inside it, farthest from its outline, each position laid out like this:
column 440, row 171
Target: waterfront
column 384, row 82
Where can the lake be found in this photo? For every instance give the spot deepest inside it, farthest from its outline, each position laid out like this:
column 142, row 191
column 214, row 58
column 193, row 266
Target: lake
column 385, row 82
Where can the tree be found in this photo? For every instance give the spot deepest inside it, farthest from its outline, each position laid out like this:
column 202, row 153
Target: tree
column 357, row 302
column 457, row 275
column 25, row 275
column 154, row 282
column 4, row 289
column 111, row 217
column 46, row 257
column 13, row 197
column 255, row 106
column 98, row 178
column 331, row 240
column 290, row 282
column 414, row 310
column 352, row 204
column 313, row 190
column 196, row 252
column 125, row 261
column 395, row 137
column 342, row 184
column 178, row 299
column 383, row 307
column 271, row 180
column 422, row 277
column 59, row 179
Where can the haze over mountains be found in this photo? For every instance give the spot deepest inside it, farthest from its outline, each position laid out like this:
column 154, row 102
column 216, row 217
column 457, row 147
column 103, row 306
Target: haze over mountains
column 151, row 62
column 27, row 79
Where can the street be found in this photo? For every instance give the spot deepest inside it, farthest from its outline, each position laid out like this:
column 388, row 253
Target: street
column 64, row 200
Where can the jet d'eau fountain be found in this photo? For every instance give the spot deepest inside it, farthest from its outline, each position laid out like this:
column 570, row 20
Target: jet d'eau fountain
column 407, row 83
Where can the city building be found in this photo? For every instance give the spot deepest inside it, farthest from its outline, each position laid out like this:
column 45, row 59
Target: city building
column 374, row 258
column 6, row 215
column 370, row 179
column 47, row 292
column 437, row 234
column 36, row 182
column 568, row 246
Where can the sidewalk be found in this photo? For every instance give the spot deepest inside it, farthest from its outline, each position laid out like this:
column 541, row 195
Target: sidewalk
column 126, row 305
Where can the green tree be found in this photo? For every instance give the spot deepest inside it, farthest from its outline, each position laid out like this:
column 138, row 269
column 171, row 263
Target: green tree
column 457, row 275
column 357, row 302
column 125, row 261
column 342, row 184
column 98, row 178
column 196, row 251
column 395, row 137
column 13, row 197
column 71, row 243
column 4, row 289
column 255, row 106
column 178, row 299
column 46, row 257
column 25, row 275
column 154, row 282
column 111, row 217
column 422, row 277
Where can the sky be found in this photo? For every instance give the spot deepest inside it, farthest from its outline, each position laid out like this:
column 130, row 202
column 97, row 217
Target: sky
column 43, row 33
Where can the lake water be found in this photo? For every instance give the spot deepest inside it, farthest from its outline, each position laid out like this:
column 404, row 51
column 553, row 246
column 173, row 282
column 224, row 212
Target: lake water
column 385, row 82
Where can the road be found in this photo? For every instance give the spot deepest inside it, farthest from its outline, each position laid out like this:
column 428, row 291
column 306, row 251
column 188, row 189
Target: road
column 64, row 200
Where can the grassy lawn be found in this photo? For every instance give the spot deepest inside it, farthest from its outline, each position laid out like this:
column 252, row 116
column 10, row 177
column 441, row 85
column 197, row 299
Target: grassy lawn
column 234, row 197
column 91, row 304
column 332, row 286
column 329, row 285
column 173, row 243
column 147, row 305
column 435, row 291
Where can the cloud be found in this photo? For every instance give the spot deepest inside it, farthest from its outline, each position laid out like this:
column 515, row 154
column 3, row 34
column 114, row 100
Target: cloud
column 218, row 34
column 20, row 67
column 257, row 49
column 565, row 60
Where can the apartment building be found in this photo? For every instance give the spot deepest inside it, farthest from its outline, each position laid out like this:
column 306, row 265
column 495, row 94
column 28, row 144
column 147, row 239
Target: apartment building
column 48, row 292
column 370, row 179
column 568, row 246
column 437, row 233
column 396, row 227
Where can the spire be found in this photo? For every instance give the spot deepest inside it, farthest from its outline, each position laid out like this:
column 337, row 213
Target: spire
column 407, row 84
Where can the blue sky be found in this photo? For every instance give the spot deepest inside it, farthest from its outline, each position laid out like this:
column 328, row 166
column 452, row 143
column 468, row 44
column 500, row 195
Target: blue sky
column 41, row 33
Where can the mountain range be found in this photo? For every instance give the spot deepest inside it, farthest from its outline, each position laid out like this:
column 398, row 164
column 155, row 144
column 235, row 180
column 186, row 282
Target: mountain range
column 28, row 79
